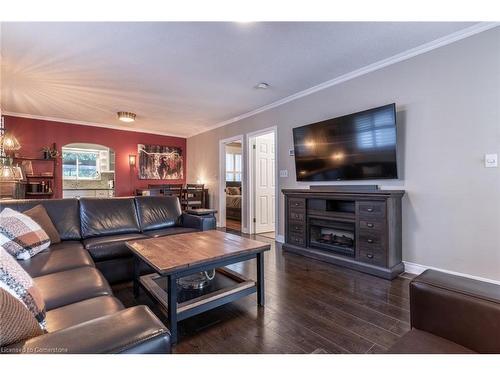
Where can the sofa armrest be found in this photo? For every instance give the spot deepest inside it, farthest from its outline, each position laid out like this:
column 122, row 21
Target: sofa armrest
column 459, row 309
column 205, row 222
column 133, row 330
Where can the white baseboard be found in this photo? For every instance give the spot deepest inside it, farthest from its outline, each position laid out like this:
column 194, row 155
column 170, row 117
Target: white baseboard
column 280, row 238
column 419, row 268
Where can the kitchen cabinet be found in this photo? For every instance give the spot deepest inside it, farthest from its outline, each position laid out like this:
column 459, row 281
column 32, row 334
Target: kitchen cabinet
column 92, row 193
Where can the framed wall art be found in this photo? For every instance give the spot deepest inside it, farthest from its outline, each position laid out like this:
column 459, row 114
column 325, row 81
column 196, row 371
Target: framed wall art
column 160, row 162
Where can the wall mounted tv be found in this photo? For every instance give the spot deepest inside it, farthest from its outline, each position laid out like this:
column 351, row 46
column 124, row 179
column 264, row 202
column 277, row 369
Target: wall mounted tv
column 359, row 146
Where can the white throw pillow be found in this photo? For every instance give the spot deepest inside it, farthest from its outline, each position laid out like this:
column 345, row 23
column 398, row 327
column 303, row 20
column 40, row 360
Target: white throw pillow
column 20, row 235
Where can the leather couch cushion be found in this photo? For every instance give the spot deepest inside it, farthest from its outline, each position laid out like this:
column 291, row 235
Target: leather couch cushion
column 110, row 247
column 64, row 213
column 133, row 330
column 421, row 342
column 158, row 212
column 119, row 270
column 82, row 311
column 63, row 288
column 169, row 231
column 65, row 256
column 101, row 217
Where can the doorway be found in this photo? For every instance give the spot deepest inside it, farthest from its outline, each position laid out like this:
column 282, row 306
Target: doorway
column 263, row 187
column 231, row 184
column 234, row 154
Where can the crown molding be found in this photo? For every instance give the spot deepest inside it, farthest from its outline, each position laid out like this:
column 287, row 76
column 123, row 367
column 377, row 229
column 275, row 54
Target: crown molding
column 419, row 50
column 88, row 123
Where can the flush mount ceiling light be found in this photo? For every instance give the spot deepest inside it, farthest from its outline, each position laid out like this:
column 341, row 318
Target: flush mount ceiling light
column 262, row 86
column 126, row 116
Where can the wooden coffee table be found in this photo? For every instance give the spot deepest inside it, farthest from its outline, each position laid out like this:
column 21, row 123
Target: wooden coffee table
column 176, row 256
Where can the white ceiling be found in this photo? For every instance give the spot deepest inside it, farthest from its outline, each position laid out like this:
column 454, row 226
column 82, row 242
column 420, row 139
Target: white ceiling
column 185, row 78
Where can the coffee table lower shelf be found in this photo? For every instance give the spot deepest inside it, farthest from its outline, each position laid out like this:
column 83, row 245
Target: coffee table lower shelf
column 230, row 286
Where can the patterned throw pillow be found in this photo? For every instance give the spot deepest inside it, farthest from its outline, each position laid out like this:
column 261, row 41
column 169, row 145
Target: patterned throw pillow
column 16, row 281
column 20, row 235
column 16, row 321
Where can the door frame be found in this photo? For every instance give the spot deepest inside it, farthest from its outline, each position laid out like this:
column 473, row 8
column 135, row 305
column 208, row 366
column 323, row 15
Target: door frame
column 222, row 179
column 250, row 139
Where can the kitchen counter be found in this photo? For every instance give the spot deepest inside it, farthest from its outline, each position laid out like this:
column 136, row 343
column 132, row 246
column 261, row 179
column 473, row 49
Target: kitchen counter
column 95, row 193
column 64, row 189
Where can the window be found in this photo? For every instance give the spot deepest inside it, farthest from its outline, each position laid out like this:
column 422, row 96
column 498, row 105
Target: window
column 80, row 164
column 233, row 167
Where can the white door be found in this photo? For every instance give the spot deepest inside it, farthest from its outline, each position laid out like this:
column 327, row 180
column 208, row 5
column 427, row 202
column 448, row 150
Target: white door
column 264, row 183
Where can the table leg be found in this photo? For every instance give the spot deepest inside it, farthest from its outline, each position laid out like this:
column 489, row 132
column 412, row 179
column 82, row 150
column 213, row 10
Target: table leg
column 172, row 307
column 260, row 279
column 137, row 275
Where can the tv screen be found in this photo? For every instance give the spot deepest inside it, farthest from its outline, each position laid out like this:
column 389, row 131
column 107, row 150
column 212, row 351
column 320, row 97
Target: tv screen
column 359, row 146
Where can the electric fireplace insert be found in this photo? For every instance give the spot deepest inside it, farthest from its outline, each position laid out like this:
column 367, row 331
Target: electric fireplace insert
column 332, row 235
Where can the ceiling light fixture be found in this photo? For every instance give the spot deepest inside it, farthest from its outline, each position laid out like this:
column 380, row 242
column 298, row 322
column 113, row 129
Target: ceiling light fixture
column 262, row 86
column 126, row 116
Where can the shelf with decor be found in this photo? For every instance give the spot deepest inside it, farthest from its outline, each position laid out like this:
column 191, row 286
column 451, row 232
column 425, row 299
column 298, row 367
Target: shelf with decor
column 39, row 175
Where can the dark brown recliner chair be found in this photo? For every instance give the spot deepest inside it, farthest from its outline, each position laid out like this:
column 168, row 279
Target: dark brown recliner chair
column 451, row 315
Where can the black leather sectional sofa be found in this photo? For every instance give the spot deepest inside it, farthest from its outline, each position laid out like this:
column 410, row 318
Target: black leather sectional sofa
column 83, row 316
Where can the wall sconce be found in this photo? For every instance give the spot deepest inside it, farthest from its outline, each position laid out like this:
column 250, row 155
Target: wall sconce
column 131, row 160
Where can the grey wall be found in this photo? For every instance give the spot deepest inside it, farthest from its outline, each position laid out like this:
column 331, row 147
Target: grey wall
column 448, row 103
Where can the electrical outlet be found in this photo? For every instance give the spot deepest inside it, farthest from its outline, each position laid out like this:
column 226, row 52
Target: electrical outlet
column 283, row 173
column 491, row 160
column 291, row 152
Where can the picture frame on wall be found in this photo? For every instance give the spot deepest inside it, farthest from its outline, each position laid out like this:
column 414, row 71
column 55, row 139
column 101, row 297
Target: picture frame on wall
column 158, row 162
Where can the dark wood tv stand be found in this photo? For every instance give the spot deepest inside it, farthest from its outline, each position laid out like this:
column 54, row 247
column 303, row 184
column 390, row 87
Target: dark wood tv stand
column 355, row 228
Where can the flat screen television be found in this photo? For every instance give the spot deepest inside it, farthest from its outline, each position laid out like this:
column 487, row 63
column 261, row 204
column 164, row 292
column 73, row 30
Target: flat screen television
column 359, row 146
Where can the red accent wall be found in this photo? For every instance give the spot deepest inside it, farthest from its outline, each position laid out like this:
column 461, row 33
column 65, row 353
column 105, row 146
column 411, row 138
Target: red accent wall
column 34, row 134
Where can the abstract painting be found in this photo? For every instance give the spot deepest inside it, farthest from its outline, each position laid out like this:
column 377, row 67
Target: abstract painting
column 160, row 162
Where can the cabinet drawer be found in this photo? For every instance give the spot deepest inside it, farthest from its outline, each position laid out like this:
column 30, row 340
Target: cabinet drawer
column 368, row 238
column 296, row 227
column 372, row 225
column 297, row 203
column 373, row 256
column 372, row 209
column 296, row 215
column 296, row 239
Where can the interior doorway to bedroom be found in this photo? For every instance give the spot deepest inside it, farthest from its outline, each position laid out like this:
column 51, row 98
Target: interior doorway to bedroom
column 233, row 152
column 263, row 187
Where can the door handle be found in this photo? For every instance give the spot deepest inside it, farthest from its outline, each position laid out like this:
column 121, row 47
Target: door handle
column 370, row 256
column 369, row 225
column 369, row 240
column 369, row 209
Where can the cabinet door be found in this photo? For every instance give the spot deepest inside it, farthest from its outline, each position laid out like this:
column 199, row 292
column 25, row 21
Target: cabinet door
column 104, row 161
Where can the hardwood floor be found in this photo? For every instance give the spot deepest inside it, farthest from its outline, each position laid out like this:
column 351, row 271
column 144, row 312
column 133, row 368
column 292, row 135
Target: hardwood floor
column 310, row 306
column 233, row 225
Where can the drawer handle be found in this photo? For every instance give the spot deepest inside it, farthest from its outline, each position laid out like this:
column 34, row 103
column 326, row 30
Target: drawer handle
column 297, row 228
column 297, row 203
column 369, row 256
column 369, row 225
column 369, row 209
column 369, row 240
column 297, row 240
